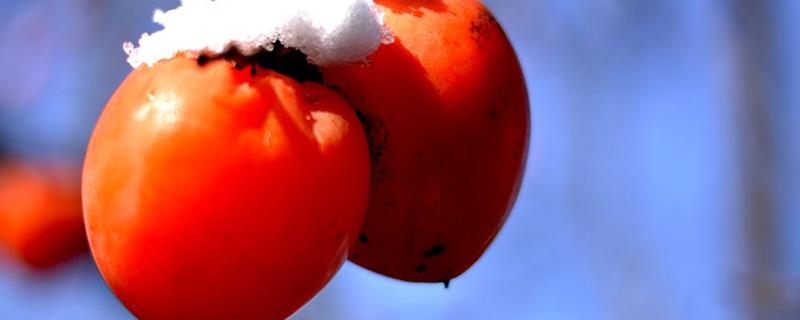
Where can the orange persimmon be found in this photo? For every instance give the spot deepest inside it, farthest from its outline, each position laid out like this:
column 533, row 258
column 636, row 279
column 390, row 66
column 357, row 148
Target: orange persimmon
column 40, row 212
column 446, row 112
column 213, row 192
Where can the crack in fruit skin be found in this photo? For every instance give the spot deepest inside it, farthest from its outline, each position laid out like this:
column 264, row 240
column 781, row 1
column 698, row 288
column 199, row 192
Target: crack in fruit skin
column 211, row 192
column 445, row 110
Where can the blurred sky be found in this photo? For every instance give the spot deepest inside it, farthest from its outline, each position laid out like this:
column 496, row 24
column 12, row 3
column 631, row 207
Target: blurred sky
column 635, row 202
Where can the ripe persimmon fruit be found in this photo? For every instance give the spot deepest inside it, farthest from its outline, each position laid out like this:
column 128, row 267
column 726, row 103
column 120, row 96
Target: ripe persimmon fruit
column 219, row 192
column 447, row 118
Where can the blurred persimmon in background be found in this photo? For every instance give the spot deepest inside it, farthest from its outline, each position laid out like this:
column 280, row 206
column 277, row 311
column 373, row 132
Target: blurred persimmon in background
column 40, row 211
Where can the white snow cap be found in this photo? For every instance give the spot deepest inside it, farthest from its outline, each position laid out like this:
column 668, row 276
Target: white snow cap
column 329, row 32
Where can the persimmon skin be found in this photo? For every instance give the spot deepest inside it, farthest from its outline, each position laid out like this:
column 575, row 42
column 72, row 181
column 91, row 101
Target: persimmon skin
column 40, row 212
column 446, row 112
column 211, row 193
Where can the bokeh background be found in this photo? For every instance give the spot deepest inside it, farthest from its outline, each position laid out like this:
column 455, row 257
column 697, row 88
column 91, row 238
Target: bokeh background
column 662, row 181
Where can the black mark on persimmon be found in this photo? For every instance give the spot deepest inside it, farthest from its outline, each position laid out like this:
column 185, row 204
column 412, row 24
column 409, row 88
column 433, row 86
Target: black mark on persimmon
column 434, row 251
column 202, row 60
column 378, row 140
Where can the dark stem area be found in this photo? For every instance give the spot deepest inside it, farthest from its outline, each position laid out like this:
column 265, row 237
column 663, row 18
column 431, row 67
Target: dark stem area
column 287, row 61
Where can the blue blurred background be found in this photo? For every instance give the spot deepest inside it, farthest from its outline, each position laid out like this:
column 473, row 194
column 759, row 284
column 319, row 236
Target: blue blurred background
column 662, row 182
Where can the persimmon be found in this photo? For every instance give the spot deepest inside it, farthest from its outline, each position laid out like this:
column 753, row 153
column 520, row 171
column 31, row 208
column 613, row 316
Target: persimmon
column 217, row 192
column 227, row 185
column 40, row 212
column 446, row 112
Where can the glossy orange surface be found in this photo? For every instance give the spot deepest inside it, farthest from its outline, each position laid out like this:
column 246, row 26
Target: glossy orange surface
column 446, row 112
column 211, row 193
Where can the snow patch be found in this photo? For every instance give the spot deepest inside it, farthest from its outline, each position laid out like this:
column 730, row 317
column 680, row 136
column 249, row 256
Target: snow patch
column 329, row 32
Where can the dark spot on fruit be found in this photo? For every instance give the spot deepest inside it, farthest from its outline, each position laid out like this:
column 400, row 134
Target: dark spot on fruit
column 378, row 140
column 202, row 60
column 361, row 116
column 377, row 135
column 475, row 28
column 253, row 69
column 446, row 283
column 493, row 114
column 422, row 268
column 337, row 89
column 434, row 251
column 363, row 238
column 480, row 26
